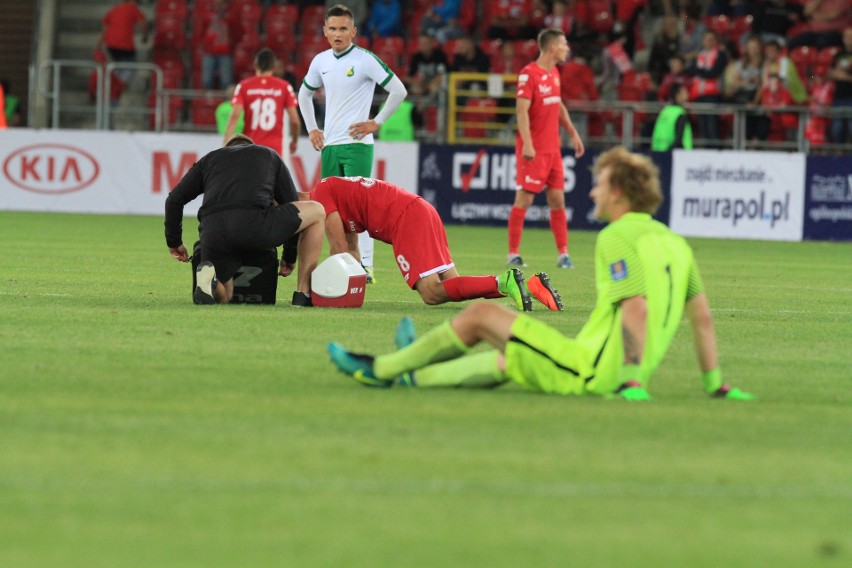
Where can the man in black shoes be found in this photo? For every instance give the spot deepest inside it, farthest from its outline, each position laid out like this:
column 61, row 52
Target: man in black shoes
column 249, row 204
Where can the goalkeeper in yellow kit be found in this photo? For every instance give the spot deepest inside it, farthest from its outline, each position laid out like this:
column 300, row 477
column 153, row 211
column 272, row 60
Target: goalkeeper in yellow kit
column 646, row 279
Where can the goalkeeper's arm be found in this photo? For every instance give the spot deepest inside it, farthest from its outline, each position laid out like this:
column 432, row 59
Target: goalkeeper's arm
column 704, row 338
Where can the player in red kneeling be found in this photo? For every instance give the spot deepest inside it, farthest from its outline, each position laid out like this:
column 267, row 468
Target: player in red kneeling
column 412, row 226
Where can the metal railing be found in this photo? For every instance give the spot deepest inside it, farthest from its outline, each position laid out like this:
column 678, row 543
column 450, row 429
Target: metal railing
column 479, row 115
column 49, row 84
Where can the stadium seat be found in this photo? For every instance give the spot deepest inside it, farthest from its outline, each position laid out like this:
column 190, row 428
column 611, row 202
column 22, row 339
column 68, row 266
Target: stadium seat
column 391, row 50
column 720, row 24
column 283, row 43
column 449, row 49
column 467, row 15
column 739, row 26
column 477, row 111
column 528, row 49
column 202, row 112
column 176, row 8
column 804, row 58
column 169, row 32
column 285, row 12
column 312, row 20
column 601, row 17
column 202, row 8
column 248, row 12
column 172, row 113
column 243, row 61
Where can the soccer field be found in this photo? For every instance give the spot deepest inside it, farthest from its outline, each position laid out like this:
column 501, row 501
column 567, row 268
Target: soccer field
column 137, row 429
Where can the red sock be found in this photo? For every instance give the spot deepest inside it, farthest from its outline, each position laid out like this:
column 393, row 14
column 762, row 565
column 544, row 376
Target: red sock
column 559, row 228
column 463, row 288
column 516, row 228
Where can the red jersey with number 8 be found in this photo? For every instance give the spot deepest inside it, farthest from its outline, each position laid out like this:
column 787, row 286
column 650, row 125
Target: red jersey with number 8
column 265, row 101
column 543, row 90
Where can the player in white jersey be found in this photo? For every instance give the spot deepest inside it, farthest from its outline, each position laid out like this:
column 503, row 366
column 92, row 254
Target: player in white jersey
column 349, row 75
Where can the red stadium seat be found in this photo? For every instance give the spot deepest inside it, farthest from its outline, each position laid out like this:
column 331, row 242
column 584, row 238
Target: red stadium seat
column 739, row 26
column 285, row 12
column 202, row 8
column 720, row 24
column 176, row 8
column 477, row 111
column 449, row 49
column 283, row 43
column 601, row 16
column 804, row 57
column 202, row 112
column 169, row 32
column 391, row 50
column 528, row 48
column 243, row 61
column 248, row 12
column 467, row 15
column 312, row 20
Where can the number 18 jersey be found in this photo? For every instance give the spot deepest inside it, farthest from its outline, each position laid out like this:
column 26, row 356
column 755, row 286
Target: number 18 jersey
column 265, row 101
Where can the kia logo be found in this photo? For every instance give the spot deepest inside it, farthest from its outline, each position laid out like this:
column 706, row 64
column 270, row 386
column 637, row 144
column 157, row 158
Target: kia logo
column 51, row 168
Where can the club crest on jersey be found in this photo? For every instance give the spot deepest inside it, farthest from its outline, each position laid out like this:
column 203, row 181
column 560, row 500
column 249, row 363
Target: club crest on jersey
column 350, row 71
column 618, row 270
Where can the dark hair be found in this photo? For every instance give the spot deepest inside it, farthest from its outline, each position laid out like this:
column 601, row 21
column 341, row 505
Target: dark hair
column 548, row 36
column 339, row 10
column 264, row 60
column 239, row 140
column 675, row 91
column 5, row 84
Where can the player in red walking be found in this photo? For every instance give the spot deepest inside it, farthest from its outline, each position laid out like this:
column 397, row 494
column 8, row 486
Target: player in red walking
column 265, row 99
column 412, row 226
column 537, row 146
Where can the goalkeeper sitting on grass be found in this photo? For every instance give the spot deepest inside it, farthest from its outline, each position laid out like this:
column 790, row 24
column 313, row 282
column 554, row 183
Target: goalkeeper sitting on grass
column 646, row 279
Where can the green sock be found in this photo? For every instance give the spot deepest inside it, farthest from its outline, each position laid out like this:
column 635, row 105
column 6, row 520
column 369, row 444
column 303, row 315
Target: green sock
column 479, row 370
column 436, row 345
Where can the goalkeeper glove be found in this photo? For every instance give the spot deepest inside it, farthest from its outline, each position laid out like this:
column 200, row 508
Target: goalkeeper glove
column 714, row 386
column 732, row 393
column 632, row 391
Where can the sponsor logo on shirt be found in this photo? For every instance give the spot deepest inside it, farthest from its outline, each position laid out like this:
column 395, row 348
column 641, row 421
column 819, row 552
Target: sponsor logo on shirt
column 530, row 179
column 350, row 71
column 545, row 89
column 264, row 92
column 523, row 78
column 618, row 270
column 550, row 100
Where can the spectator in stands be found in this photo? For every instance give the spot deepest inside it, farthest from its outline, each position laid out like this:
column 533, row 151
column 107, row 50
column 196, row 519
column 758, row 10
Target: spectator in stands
column 509, row 60
column 223, row 112
column 511, row 20
column 666, row 44
column 692, row 31
column 359, row 8
column 676, row 76
column 774, row 95
column 441, row 20
column 825, row 22
column 119, row 27
column 775, row 63
column 743, row 80
column 468, row 58
column 841, row 74
column 707, row 70
column 385, row 19
column 773, row 18
column 563, row 15
column 673, row 129
column 11, row 104
column 577, row 83
column 427, row 68
column 222, row 33
column 742, row 77
column 116, row 85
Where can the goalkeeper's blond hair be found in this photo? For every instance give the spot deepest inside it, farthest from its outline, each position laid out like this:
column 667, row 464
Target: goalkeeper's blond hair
column 635, row 175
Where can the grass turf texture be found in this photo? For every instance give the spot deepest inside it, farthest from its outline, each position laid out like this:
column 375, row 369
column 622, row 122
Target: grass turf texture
column 137, row 429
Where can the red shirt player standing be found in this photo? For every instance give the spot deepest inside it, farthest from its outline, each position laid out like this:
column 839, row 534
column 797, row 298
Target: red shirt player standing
column 265, row 99
column 412, row 226
column 537, row 147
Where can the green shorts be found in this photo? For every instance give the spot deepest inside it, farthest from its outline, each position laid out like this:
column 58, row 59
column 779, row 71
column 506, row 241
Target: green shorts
column 348, row 160
column 542, row 359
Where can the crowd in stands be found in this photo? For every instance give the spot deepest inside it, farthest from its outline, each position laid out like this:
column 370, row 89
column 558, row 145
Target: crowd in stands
column 764, row 53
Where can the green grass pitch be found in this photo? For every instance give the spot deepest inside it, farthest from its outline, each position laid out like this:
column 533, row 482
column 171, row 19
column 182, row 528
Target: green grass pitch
column 137, row 429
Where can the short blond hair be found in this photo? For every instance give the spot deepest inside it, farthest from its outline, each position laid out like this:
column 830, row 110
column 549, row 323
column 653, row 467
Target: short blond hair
column 635, row 175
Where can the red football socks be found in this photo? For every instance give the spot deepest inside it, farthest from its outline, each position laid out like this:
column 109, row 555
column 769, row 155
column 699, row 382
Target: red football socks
column 463, row 288
column 516, row 228
column 559, row 228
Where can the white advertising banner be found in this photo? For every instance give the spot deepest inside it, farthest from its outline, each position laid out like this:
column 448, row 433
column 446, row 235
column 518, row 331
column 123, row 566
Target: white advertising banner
column 81, row 171
column 739, row 195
